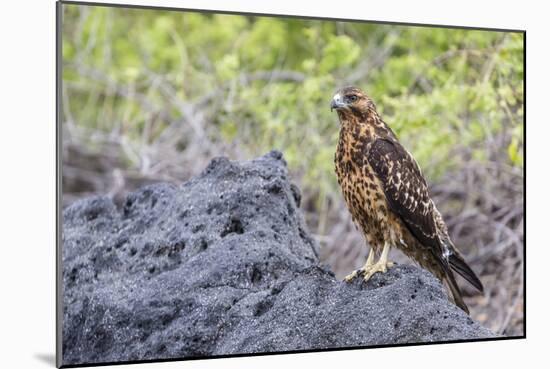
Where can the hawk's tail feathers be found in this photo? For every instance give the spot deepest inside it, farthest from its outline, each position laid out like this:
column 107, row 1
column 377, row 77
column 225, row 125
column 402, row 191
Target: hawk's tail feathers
column 457, row 295
column 459, row 265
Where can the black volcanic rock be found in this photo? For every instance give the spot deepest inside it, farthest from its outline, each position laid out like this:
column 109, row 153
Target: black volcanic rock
column 223, row 265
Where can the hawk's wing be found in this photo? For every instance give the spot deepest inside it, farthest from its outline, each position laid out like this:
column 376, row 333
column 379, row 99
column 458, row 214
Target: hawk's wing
column 406, row 190
column 407, row 195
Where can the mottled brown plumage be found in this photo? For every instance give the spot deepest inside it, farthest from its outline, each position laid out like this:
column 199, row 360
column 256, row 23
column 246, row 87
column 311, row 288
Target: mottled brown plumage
column 388, row 197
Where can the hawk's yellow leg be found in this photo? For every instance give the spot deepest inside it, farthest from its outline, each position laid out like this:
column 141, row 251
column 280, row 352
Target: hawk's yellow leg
column 367, row 266
column 381, row 265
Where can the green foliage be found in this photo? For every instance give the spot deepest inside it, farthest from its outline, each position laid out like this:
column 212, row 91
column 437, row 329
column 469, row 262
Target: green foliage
column 443, row 91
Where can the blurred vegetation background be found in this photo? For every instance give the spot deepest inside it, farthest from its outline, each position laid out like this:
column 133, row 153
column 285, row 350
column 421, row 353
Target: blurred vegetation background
column 154, row 95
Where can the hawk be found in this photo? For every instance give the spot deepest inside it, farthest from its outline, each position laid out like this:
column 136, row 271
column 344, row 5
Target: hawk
column 388, row 197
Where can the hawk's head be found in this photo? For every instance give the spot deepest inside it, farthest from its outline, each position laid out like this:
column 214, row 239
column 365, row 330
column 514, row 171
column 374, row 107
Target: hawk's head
column 352, row 100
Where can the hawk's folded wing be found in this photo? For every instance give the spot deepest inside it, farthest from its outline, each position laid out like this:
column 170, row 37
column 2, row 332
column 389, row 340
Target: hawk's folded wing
column 406, row 190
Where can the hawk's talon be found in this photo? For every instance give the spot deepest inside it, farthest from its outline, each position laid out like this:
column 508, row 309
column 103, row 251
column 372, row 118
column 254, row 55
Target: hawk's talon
column 352, row 275
column 364, row 269
column 381, row 267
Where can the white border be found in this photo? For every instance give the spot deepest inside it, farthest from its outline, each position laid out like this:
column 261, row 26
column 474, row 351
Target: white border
column 27, row 154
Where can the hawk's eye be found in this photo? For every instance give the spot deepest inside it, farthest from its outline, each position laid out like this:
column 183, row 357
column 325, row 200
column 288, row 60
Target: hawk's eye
column 352, row 98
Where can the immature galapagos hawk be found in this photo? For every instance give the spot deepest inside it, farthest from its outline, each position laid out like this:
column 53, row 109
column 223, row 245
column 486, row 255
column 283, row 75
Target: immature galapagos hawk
column 388, row 198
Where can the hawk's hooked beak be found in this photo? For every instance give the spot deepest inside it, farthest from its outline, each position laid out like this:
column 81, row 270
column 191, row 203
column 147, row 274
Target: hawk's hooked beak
column 337, row 102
